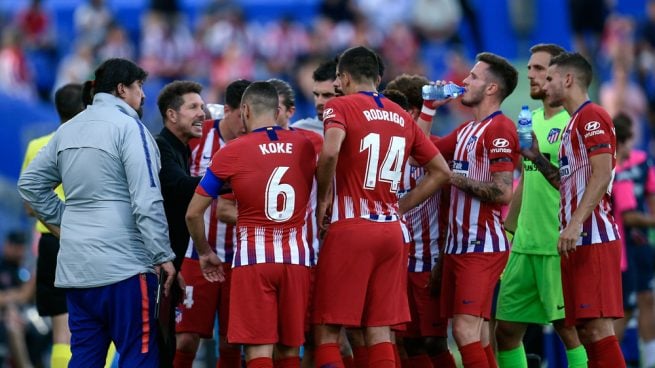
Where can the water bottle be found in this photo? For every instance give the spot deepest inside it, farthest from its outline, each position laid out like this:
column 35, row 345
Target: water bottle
column 434, row 92
column 524, row 128
column 217, row 111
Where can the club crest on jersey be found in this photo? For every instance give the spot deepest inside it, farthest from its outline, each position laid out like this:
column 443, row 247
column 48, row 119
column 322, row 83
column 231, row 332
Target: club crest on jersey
column 471, row 143
column 553, row 135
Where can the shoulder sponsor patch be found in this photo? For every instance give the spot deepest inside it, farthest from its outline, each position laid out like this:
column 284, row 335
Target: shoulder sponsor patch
column 328, row 113
column 591, row 126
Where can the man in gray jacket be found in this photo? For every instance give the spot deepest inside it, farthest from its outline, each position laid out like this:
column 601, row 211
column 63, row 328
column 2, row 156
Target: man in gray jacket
column 113, row 228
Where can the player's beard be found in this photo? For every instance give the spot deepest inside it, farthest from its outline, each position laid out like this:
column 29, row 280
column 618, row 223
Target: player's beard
column 538, row 95
column 472, row 99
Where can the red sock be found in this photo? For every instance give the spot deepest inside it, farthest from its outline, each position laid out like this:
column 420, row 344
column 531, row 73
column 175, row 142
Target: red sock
column 183, row 359
column 348, row 361
column 229, row 358
column 328, row 356
column 591, row 356
column 421, row 361
column 360, row 356
column 443, row 360
column 607, row 353
column 292, row 362
column 381, row 355
column 491, row 358
column 260, row 363
column 396, row 355
column 473, row 355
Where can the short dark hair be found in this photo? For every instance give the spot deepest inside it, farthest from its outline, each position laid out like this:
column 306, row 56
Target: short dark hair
column 170, row 96
column 410, row 86
column 549, row 48
column 575, row 60
column 502, row 71
column 361, row 63
column 234, row 92
column 284, row 89
column 397, row 97
column 109, row 75
column 326, row 71
column 623, row 127
column 68, row 101
column 262, row 97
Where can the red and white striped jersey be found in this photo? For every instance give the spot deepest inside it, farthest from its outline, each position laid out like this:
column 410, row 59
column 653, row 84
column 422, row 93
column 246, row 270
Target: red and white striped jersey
column 271, row 178
column 589, row 132
column 380, row 137
column 310, row 222
column 422, row 222
column 477, row 150
column 221, row 236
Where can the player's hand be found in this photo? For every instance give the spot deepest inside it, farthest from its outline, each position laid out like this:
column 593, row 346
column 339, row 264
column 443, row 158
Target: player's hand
column 212, row 267
column 322, row 218
column 438, row 103
column 181, row 284
column 170, row 275
column 533, row 152
column 568, row 238
column 434, row 283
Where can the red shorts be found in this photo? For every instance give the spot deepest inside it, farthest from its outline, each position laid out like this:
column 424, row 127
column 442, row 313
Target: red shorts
column 361, row 275
column 268, row 303
column 196, row 313
column 468, row 282
column 591, row 282
column 424, row 308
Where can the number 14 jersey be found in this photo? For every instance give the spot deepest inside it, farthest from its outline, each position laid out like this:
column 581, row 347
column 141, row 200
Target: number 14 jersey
column 380, row 137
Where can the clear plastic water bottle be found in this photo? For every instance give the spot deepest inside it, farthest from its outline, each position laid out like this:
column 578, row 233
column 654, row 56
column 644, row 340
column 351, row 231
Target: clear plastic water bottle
column 524, row 128
column 217, row 111
column 434, row 92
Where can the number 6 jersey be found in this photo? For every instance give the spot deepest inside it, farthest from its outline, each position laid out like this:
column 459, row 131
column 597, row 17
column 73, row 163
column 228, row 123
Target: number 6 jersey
column 380, row 138
column 271, row 172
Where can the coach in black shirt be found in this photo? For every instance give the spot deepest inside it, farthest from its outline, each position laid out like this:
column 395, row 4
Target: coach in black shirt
column 181, row 108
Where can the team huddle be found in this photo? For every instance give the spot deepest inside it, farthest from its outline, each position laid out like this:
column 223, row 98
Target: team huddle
column 360, row 235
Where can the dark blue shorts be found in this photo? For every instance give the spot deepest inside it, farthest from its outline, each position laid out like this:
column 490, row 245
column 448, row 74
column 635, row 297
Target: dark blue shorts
column 639, row 275
column 123, row 313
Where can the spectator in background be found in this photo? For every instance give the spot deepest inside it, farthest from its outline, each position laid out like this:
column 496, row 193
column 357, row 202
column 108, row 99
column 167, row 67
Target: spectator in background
column 634, row 200
column 281, row 43
column 181, row 109
column 166, row 46
column 35, row 25
column 92, row 20
column 16, row 290
column 115, row 230
column 77, row 66
column 51, row 300
column 621, row 94
column 116, row 44
column 400, row 49
column 15, row 75
column 587, row 22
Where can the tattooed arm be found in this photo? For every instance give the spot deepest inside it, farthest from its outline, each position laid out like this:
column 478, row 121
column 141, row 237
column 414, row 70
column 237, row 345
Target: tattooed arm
column 548, row 170
column 498, row 190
